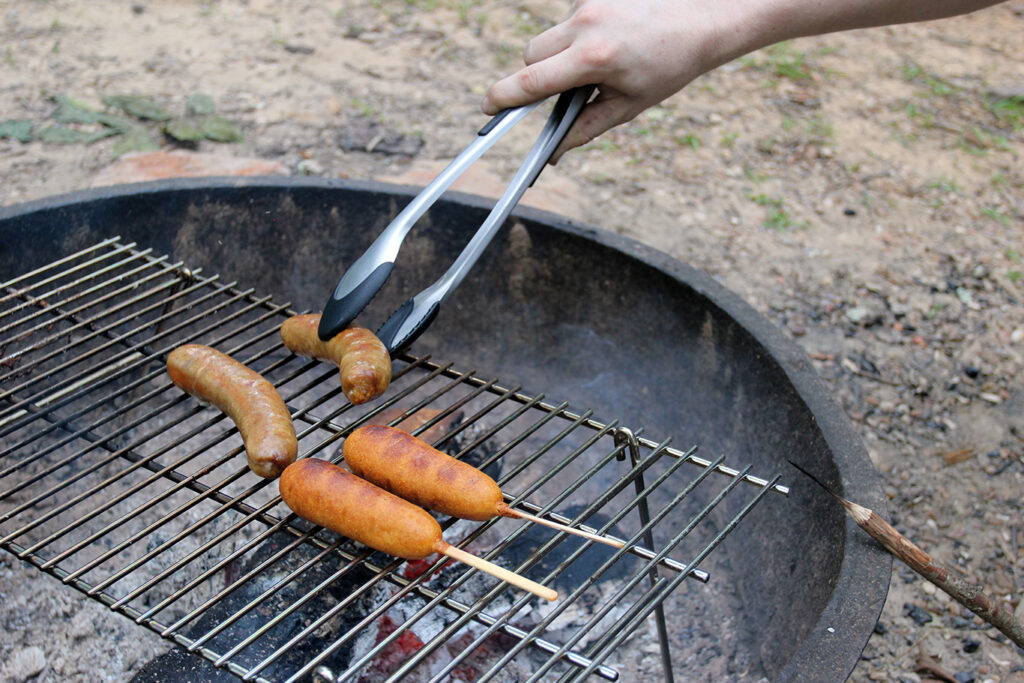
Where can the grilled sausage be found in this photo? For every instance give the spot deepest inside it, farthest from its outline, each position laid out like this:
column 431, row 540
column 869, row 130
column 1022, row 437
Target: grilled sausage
column 249, row 400
column 327, row 495
column 413, row 469
column 363, row 360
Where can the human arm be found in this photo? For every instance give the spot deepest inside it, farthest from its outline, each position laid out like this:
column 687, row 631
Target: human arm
column 643, row 51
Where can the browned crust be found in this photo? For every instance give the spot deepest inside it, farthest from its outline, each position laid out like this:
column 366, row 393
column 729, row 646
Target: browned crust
column 414, row 470
column 325, row 494
column 246, row 397
column 362, row 359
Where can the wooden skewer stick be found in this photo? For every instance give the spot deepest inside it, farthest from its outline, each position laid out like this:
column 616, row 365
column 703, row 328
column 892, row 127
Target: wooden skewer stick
column 483, row 565
column 506, row 511
column 970, row 595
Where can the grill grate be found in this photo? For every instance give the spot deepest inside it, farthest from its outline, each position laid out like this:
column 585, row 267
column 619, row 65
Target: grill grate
column 118, row 484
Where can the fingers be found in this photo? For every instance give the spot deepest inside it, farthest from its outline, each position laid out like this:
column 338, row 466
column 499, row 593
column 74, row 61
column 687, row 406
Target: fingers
column 534, row 82
column 547, row 44
column 604, row 113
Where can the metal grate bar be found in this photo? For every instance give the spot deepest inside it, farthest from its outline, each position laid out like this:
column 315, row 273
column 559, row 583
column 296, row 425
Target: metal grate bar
column 103, row 420
column 126, row 489
column 576, row 554
column 53, row 265
column 644, row 572
column 113, row 340
column 666, row 587
column 281, row 524
column 86, row 265
column 76, row 477
column 352, row 632
column 490, row 556
column 91, row 301
column 755, row 481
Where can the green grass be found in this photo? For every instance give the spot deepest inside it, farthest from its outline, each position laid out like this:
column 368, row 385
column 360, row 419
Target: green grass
column 690, row 140
column 939, row 87
column 785, row 62
column 1008, row 111
column 944, row 184
column 996, row 215
column 776, row 216
column 728, row 140
column 819, row 129
column 505, row 54
column 920, row 117
column 754, row 175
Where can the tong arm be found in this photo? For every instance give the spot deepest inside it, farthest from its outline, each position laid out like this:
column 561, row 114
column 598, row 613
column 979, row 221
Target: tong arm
column 416, row 314
column 367, row 275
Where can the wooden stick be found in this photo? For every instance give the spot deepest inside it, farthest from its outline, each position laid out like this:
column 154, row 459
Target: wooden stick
column 526, row 584
column 970, row 595
column 505, row 511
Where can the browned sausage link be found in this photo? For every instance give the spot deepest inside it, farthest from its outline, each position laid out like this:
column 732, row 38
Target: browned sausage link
column 363, row 360
column 327, row 495
column 249, row 400
column 414, row 470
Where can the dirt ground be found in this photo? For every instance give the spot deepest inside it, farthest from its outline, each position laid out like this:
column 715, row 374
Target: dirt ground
column 864, row 191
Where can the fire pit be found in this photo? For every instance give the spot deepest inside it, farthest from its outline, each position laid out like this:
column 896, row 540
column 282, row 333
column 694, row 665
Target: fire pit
column 581, row 369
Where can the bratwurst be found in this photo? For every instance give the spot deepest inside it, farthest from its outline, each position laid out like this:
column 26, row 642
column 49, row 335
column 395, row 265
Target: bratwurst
column 362, row 359
column 248, row 399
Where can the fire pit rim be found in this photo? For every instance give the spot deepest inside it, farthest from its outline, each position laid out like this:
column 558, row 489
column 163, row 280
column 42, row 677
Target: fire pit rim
column 863, row 581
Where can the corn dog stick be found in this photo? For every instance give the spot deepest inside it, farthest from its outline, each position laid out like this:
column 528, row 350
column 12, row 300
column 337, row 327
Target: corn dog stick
column 494, row 570
column 506, row 511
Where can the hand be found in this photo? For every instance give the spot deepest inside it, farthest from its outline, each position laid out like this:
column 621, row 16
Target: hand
column 642, row 51
column 638, row 53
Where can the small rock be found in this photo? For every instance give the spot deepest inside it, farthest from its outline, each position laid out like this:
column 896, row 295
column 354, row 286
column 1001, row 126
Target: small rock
column 880, row 628
column 25, row 664
column 959, row 622
column 918, row 614
column 972, row 371
column 963, row 677
column 867, row 314
column 310, row 167
column 364, row 135
column 81, row 626
column 849, row 212
column 971, row 645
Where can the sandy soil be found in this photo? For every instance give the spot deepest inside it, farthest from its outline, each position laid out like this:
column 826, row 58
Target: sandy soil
column 865, row 191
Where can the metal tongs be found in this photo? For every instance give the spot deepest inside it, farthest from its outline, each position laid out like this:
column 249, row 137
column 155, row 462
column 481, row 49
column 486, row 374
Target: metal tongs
column 367, row 275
